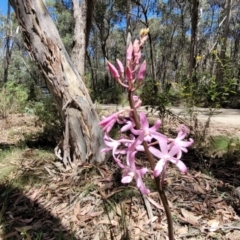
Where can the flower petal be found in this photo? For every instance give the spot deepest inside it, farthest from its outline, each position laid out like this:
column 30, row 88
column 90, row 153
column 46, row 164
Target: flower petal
column 127, row 179
column 159, row 167
column 156, row 152
column 141, row 186
column 127, row 126
column 182, row 167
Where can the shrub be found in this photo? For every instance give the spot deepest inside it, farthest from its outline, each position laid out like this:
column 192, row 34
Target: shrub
column 49, row 118
column 13, row 98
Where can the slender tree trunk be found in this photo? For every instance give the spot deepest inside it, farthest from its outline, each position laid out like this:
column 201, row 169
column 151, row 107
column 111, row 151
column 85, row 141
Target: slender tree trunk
column 193, row 45
column 129, row 25
column 8, row 47
column 82, row 138
column 92, row 72
column 221, row 64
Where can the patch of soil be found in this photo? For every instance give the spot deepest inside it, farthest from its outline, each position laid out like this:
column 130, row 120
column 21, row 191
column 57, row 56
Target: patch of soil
column 15, row 127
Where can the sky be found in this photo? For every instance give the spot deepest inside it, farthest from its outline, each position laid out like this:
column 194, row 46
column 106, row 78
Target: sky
column 3, row 6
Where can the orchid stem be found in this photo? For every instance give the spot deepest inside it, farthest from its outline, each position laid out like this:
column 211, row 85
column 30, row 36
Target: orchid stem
column 158, row 181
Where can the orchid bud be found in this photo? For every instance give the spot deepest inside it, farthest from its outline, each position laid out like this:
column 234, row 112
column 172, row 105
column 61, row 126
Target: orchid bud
column 129, row 74
column 143, row 40
column 129, row 52
column 142, row 71
column 113, row 70
column 144, row 32
column 135, row 98
column 138, row 57
column 138, row 103
column 136, row 48
column 120, row 67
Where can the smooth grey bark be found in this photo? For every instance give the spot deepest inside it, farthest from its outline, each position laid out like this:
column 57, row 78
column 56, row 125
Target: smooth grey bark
column 82, row 13
column 82, row 137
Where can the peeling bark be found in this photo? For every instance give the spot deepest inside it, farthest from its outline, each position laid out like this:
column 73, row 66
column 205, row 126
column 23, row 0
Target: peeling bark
column 82, row 137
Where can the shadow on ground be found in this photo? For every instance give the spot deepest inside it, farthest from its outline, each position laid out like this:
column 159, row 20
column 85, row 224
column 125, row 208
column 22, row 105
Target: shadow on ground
column 23, row 218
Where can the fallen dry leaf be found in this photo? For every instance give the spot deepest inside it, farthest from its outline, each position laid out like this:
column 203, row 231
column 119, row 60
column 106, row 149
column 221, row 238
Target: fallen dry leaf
column 190, row 217
column 23, row 229
column 213, row 224
column 233, row 235
column 26, row 220
column 198, row 188
column 157, row 205
column 182, row 230
column 76, row 209
column 10, row 235
column 95, row 214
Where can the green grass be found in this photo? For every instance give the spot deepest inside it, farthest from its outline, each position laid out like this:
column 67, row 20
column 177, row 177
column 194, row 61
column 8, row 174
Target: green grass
column 9, row 162
column 224, row 143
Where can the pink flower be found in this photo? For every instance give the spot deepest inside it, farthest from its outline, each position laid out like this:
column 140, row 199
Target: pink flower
column 179, row 143
column 130, row 171
column 128, row 125
column 113, row 145
column 147, row 133
column 167, row 154
column 108, row 122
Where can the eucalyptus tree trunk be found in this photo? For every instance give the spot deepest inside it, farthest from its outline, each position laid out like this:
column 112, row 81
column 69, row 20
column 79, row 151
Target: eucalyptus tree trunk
column 82, row 137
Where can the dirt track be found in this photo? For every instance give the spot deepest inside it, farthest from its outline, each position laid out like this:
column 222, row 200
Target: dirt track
column 223, row 121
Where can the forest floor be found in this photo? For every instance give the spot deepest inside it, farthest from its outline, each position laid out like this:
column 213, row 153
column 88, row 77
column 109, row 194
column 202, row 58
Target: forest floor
column 42, row 199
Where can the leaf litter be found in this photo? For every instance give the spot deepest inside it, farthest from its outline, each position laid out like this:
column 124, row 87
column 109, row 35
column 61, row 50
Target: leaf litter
column 60, row 203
